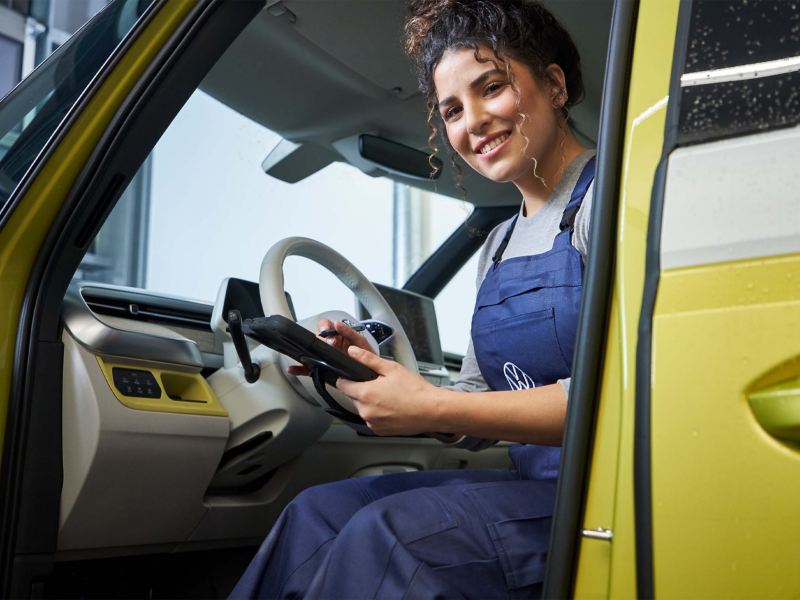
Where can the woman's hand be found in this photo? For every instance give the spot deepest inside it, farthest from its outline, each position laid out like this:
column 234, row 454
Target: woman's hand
column 398, row 402
column 344, row 338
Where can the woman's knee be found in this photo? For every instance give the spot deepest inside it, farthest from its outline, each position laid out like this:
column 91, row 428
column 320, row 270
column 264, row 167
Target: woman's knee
column 336, row 501
column 310, row 499
column 405, row 518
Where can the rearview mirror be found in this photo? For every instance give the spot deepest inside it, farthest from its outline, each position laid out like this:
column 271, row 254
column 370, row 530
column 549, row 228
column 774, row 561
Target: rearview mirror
column 398, row 158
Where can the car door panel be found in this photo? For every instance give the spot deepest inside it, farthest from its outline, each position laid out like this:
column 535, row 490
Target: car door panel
column 726, row 313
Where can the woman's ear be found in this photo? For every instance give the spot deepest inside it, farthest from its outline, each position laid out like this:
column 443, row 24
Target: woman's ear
column 554, row 76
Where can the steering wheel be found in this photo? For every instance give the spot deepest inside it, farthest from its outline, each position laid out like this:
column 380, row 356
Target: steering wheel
column 274, row 302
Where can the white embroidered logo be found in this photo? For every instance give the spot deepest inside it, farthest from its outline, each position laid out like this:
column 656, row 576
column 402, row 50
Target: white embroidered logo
column 517, row 378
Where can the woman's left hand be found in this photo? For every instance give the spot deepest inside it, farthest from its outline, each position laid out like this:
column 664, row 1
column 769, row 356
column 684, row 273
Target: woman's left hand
column 398, row 402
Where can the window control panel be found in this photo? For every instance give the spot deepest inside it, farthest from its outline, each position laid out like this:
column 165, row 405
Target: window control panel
column 136, row 383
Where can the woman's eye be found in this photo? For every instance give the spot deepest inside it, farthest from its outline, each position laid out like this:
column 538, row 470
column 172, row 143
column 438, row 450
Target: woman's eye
column 494, row 87
column 451, row 113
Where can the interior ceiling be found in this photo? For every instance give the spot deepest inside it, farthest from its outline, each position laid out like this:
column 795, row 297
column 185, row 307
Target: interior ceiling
column 316, row 71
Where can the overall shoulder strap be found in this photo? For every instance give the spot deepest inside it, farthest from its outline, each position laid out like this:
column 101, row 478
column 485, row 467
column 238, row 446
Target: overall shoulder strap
column 498, row 256
column 578, row 192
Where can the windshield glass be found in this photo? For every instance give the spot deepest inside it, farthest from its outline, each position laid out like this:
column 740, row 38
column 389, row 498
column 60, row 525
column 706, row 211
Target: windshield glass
column 201, row 209
column 33, row 110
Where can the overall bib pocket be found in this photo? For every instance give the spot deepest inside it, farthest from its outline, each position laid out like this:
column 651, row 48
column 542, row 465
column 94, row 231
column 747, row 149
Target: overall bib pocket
column 523, row 350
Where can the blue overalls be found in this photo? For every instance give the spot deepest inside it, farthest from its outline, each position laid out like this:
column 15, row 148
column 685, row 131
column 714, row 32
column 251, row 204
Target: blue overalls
column 447, row 534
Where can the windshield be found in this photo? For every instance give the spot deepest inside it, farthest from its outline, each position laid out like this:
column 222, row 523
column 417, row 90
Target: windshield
column 33, row 110
column 201, row 208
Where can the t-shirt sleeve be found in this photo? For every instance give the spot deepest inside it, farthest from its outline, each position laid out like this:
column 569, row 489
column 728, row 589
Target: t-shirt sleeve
column 580, row 237
column 469, row 378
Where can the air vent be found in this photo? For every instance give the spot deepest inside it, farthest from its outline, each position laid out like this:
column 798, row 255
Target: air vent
column 140, row 307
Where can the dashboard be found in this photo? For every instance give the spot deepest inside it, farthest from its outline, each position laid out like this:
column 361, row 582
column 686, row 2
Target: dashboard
column 166, row 446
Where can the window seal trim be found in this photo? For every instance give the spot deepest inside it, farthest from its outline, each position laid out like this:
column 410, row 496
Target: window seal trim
column 642, row 442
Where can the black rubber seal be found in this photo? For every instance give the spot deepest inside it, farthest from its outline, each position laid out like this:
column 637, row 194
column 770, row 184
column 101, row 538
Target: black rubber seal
column 593, row 319
column 642, row 457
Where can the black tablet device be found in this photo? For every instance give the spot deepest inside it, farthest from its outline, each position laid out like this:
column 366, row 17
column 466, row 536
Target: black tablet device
column 297, row 342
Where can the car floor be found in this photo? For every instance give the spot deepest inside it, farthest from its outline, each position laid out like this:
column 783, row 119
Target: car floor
column 206, row 574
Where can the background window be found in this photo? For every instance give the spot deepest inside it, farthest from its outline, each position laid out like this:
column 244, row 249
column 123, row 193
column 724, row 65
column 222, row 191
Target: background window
column 10, row 64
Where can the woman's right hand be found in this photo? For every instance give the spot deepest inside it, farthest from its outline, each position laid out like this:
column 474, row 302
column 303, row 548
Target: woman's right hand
column 344, row 338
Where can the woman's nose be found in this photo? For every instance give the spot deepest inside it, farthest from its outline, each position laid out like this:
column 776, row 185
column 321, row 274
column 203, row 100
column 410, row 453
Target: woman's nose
column 476, row 118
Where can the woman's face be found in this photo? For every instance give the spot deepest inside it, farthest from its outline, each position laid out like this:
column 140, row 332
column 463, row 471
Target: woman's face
column 483, row 121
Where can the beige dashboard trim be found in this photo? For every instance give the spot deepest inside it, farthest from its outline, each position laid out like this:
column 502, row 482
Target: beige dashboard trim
column 100, row 338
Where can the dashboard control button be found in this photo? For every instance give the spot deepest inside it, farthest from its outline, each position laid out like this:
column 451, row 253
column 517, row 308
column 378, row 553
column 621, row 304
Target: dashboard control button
column 136, row 383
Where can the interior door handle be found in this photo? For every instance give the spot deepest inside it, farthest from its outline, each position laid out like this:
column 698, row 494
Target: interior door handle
column 777, row 409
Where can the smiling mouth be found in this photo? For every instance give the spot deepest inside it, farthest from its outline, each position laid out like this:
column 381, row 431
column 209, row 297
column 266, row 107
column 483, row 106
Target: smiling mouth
column 488, row 147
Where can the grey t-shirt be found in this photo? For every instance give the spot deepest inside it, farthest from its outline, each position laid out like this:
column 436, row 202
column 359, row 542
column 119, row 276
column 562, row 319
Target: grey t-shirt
column 532, row 235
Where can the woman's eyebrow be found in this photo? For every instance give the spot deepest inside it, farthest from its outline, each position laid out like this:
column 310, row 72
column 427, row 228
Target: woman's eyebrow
column 477, row 82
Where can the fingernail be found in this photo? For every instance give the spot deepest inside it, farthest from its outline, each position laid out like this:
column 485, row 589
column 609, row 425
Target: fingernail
column 354, row 350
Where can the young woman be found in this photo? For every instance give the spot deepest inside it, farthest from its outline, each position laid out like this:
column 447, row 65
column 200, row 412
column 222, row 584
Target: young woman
column 499, row 76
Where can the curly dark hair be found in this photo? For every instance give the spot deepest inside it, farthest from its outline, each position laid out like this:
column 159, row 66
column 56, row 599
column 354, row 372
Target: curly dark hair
column 518, row 29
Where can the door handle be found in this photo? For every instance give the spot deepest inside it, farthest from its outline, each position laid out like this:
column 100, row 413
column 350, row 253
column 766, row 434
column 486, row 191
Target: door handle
column 777, row 409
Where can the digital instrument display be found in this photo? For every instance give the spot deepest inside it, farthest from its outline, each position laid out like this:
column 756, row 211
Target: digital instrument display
column 243, row 296
column 417, row 315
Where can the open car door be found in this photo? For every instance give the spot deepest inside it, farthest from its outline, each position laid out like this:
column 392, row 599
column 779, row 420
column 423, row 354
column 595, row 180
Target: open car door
column 58, row 184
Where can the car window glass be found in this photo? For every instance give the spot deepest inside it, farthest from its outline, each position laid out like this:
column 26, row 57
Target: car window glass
column 201, row 209
column 34, row 109
column 740, row 73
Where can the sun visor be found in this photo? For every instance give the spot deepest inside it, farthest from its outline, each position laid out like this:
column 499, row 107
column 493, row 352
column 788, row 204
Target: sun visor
column 291, row 162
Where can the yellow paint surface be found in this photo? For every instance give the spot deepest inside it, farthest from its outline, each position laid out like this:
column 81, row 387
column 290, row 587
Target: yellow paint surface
column 611, row 572
column 725, row 491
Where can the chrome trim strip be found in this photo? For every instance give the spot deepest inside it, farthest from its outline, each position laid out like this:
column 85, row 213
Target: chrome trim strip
column 100, row 338
column 742, row 72
column 598, row 534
